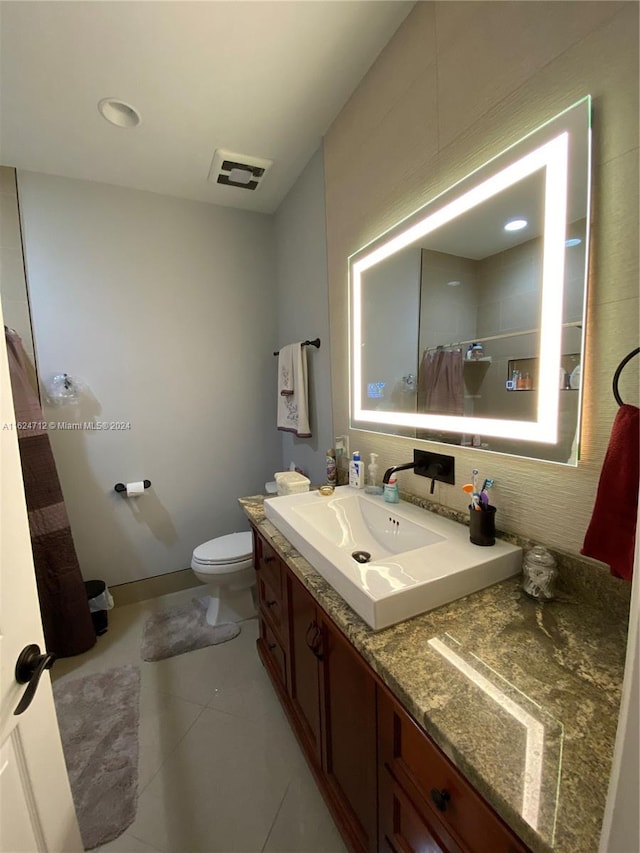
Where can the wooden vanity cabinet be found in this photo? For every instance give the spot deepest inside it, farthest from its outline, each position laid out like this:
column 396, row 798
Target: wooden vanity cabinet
column 387, row 785
column 333, row 699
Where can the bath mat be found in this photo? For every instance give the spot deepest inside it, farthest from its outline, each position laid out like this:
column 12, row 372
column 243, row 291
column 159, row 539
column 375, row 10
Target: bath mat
column 98, row 717
column 183, row 629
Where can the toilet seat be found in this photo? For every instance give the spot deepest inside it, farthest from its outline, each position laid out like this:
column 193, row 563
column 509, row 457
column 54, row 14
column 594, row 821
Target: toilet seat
column 225, row 550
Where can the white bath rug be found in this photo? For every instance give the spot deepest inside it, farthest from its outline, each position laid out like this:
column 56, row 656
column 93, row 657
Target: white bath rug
column 98, row 717
column 183, row 629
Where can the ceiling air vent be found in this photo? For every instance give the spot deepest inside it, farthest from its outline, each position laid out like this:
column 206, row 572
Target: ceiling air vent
column 238, row 170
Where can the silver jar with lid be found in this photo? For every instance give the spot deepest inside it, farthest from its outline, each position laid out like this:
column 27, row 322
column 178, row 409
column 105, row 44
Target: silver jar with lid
column 539, row 573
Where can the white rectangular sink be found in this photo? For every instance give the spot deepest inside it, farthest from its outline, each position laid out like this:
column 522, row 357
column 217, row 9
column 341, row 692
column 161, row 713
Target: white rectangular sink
column 416, row 561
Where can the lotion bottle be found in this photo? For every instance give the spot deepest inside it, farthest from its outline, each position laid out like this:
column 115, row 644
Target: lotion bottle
column 372, row 487
column 356, row 479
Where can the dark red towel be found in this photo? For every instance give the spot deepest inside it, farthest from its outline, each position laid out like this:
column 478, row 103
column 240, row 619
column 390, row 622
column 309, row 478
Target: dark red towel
column 611, row 535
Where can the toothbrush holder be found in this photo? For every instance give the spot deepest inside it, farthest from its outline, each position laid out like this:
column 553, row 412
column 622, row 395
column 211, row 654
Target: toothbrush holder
column 482, row 525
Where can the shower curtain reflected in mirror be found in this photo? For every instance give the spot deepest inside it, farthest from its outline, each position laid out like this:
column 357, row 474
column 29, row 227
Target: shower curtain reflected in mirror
column 442, row 383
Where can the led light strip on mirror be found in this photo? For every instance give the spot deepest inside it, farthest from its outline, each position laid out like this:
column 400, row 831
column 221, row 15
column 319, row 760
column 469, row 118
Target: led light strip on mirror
column 550, row 159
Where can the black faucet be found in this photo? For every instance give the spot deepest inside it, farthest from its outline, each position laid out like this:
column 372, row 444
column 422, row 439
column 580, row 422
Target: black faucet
column 435, row 466
column 434, row 471
column 393, row 468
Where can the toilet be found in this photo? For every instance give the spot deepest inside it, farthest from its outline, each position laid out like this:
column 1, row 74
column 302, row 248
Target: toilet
column 225, row 564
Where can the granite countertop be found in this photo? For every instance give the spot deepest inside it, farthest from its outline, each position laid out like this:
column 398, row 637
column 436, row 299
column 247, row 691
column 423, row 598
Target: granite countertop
column 522, row 697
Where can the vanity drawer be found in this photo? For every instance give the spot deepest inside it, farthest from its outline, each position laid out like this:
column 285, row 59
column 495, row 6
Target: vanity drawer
column 272, row 606
column 274, row 651
column 403, row 829
column 430, row 780
column 268, row 566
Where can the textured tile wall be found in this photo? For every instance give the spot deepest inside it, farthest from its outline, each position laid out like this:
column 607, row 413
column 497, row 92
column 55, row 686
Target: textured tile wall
column 456, row 85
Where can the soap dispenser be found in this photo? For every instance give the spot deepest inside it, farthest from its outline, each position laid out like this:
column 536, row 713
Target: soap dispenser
column 373, row 487
column 391, row 494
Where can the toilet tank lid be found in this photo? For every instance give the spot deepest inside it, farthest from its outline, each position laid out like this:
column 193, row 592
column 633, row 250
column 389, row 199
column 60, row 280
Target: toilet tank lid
column 225, row 549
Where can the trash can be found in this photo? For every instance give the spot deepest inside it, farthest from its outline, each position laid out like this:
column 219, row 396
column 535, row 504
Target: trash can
column 100, row 600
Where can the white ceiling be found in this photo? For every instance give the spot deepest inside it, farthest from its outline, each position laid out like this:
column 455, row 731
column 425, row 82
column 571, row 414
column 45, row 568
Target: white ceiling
column 260, row 78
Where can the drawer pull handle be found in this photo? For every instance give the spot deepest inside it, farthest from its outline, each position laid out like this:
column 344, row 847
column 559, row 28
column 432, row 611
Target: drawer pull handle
column 312, row 641
column 271, row 603
column 315, row 642
column 268, row 559
column 271, row 646
column 440, row 798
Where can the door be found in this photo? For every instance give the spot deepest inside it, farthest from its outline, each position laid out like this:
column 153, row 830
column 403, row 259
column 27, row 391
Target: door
column 349, row 733
column 36, row 808
column 304, row 690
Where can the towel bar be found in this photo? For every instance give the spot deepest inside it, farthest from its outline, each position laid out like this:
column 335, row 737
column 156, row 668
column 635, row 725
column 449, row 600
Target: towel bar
column 315, row 343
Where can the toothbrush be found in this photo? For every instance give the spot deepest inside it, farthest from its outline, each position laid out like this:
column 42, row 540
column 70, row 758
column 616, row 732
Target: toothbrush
column 476, row 502
column 473, row 496
column 484, row 497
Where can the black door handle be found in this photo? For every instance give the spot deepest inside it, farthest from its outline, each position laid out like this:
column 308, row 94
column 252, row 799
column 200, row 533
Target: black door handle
column 29, row 667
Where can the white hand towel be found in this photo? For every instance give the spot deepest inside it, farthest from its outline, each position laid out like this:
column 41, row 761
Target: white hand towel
column 293, row 398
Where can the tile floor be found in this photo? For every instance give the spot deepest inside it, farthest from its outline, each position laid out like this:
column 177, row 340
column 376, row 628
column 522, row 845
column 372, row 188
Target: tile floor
column 220, row 770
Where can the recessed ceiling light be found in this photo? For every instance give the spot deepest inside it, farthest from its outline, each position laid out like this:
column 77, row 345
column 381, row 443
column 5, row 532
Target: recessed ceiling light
column 515, row 225
column 572, row 241
column 118, row 113
column 454, row 283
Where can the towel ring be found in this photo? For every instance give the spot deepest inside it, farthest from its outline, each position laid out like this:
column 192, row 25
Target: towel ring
column 619, row 369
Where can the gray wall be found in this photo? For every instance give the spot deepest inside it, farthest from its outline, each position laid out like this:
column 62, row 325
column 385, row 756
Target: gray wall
column 303, row 310
column 447, row 314
column 165, row 308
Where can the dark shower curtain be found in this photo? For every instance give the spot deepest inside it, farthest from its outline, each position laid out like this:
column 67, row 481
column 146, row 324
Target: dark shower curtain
column 66, row 619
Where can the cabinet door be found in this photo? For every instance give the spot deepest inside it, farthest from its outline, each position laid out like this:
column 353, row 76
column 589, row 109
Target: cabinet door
column 349, row 734
column 304, row 651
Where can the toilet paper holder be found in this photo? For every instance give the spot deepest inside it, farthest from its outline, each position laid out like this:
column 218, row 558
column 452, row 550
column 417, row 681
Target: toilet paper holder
column 121, row 487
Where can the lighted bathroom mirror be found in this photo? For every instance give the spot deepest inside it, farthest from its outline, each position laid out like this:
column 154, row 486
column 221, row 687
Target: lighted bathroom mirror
column 467, row 318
